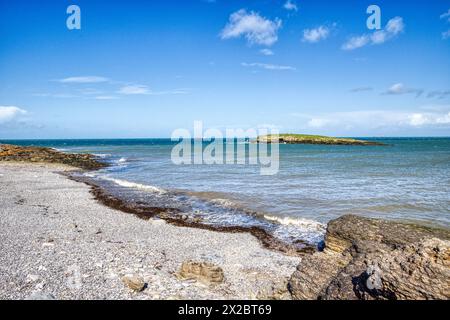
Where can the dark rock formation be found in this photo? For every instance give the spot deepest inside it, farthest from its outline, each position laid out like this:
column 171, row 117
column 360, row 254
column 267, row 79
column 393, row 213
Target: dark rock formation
column 375, row 259
column 48, row 155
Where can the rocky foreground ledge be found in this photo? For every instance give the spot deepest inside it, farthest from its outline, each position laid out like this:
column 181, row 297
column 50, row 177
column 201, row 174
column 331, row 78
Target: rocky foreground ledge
column 373, row 259
column 47, row 155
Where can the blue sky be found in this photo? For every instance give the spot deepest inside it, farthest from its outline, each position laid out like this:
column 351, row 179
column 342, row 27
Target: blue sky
column 144, row 69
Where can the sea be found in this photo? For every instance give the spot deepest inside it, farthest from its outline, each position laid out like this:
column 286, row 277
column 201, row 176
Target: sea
column 407, row 179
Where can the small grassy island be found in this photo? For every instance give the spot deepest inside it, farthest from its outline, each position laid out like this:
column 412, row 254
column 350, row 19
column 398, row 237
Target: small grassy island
column 313, row 139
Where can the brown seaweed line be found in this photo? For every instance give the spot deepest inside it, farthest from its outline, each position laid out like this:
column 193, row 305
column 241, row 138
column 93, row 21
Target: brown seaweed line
column 146, row 213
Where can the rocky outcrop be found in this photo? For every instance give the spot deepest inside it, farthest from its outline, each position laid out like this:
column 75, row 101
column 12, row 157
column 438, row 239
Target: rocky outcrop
column 375, row 259
column 204, row 272
column 48, row 155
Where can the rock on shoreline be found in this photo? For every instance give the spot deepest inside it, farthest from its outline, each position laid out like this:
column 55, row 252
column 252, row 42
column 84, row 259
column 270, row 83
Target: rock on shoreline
column 373, row 259
column 48, row 155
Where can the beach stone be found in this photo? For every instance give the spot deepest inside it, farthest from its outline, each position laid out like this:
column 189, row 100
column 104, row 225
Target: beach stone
column 32, row 278
column 204, row 272
column 373, row 259
column 374, row 278
column 134, row 282
column 40, row 296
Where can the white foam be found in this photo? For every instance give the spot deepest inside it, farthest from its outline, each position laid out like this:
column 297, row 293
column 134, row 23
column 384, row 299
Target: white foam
column 90, row 174
column 129, row 184
column 126, row 183
column 224, row 202
column 102, row 155
column 298, row 222
column 122, row 160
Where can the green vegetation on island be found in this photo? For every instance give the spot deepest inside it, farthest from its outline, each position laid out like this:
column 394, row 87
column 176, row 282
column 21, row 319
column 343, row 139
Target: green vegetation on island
column 314, row 139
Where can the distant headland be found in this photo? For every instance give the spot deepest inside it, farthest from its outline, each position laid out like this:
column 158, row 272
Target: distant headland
column 314, row 139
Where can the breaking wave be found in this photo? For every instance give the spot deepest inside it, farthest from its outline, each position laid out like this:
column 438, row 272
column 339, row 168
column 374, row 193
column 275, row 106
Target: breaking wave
column 308, row 224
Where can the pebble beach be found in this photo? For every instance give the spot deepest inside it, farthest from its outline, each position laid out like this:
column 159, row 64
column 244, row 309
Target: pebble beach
column 58, row 242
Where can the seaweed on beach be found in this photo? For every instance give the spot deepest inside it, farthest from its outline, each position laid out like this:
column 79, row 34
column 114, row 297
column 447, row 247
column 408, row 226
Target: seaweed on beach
column 175, row 216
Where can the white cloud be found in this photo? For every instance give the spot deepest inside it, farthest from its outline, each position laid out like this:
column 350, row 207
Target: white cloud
column 319, row 122
column 9, row 113
column 316, row 34
column 399, row 88
column 378, row 37
column 134, row 89
column 90, row 91
column 446, row 15
column 394, row 27
column 84, row 79
column 144, row 90
column 290, row 5
column 417, row 119
column 106, row 98
column 356, row 42
column 255, row 28
column 269, row 126
column 266, row 52
column 376, row 119
column 268, row 66
column 446, row 34
column 170, row 92
column 56, row 95
column 422, row 119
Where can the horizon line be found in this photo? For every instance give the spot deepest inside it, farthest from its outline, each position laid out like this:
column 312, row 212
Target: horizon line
column 168, row 138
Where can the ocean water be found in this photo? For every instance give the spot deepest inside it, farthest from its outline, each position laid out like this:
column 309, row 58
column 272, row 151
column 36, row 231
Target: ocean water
column 407, row 180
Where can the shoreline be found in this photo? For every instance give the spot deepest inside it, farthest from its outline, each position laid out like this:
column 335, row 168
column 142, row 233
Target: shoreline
column 170, row 216
column 49, row 223
column 88, row 162
column 63, row 237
